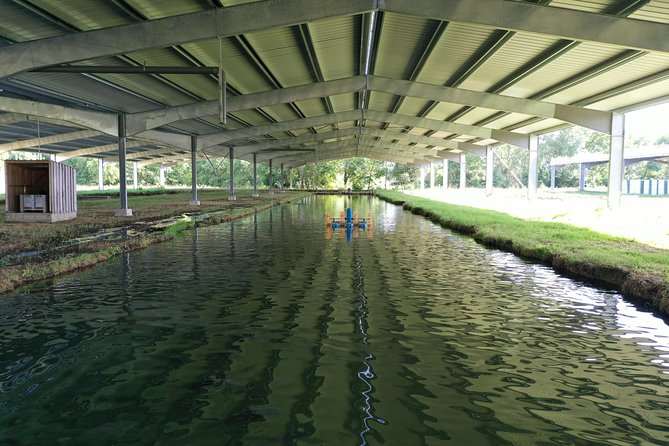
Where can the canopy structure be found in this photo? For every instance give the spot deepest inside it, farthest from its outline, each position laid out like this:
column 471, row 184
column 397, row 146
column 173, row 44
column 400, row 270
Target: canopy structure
column 299, row 81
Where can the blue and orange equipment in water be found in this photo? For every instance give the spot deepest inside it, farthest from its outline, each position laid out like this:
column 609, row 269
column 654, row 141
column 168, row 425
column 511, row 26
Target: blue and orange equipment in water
column 350, row 221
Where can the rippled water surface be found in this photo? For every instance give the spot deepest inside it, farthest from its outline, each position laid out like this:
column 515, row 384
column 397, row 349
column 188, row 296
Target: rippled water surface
column 267, row 330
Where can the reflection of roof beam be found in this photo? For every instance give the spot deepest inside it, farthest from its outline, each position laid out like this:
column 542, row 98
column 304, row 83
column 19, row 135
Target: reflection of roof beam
column 170, row 31
column 52, row 139
column 97, row 149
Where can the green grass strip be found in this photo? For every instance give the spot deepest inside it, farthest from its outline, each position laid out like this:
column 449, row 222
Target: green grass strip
column 635, row 269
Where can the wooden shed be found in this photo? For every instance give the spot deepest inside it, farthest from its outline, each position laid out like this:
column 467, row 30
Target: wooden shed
column 40, row 191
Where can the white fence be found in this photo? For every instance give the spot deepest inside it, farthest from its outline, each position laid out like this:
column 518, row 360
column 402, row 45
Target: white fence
column 646, row 187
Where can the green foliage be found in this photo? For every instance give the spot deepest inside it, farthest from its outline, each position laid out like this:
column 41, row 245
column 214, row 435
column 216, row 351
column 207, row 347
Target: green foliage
column 616, row 260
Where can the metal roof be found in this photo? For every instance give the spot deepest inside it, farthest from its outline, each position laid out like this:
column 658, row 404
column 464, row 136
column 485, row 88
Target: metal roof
column 408, row 81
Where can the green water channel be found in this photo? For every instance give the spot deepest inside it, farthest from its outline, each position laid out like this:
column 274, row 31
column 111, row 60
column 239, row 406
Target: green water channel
column 270, row 330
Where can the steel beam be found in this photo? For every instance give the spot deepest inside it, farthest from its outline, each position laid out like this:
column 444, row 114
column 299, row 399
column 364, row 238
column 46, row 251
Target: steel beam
column 170, row 31
column 98, row 149
column 193, row 169
column 538, row 19
column 593, row 119
column 532, row 176
column 140, row 122
column 616, row 161
column 123, row 211
column 51, row 139
column 102, row 122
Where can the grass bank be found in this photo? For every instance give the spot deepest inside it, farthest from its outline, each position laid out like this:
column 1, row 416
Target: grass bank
column 637, row 270
column 36, row 251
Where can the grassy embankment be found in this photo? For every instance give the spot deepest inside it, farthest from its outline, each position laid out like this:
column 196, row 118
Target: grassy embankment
column 638, row 271
column 35, row 251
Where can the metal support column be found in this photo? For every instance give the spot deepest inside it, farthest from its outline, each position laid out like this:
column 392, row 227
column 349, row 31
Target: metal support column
column 489, row 170
column 193, row 171
column 255, row 178
column 101, row 172
column 553, row 169
column 444, row 180
column 463, row 171
column 290, row 178
column 231, row 158
column 532, row 175
column 271, row 179
column 432, row 174
column 282, row 179
column 421, row 186
column 581, row 179
column 122, row 139
column 616, row 163
column 135, row 174
column 161, row 178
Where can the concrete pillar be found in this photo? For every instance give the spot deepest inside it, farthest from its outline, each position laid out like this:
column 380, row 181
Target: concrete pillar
column 422, row 178
column 290, row 177
column 463, row 171
column 553, row 168
column 444, row 183
column 282, row 179
column 255, row 178
column 581, row 179
column 161, row 178
column 101, row 171
column 432, row 175
column 532, row 175
column 489, row 170
column 193, row 171
column 231, row 157
column 616, row 157
column 122, row 139
column 135, row 174
column 271, row 179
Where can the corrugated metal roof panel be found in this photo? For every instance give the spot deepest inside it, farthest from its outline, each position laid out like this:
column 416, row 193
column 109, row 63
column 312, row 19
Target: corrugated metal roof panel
column 19, row 24
column 657, row 90
column 655, row 11
column 84, row 15
column 412, row 106
column 629, row 72
column 281, row 51
column 403, row 39
column 456, row 49
column 579, row 59
column 584, row 5
column 380, row 101
column 157, row 9
column 517, row 52
column 337, row 45
column 241, row 74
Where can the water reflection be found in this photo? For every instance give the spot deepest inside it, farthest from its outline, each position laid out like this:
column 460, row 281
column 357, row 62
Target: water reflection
column 266, row 332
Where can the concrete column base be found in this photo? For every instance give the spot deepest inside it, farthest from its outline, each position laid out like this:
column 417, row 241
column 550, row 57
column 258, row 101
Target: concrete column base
column 194, row 203
column 271, row 192
column 255, row 195
column 232, row 198
column 123, row 213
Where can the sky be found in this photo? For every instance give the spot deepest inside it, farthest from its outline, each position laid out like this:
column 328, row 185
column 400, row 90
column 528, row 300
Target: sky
column 651, row 122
